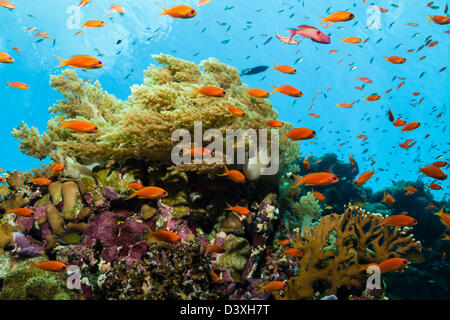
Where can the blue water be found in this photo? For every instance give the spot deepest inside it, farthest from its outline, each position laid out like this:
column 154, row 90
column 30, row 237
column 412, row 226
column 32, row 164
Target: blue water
column 317, row 71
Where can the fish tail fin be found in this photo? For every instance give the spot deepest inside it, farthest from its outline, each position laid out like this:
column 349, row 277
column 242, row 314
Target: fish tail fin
column 446, row 237
column 164, row 10
column 225, row 173
column 429, row 18
column 276, row 89
column 229, row 206
column 63, row 124
column 32, row 264
column 323, row 20
column 387, row 59
column 63, row 62
column 132, row 195
column 299, row 181
column 9, row 84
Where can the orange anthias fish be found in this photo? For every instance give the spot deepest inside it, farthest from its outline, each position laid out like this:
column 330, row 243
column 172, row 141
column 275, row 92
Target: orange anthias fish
column 275, row 123
column 79, row 126
column 210, row 91
column 399, row 220
column 285, row 69
column 94, row 24
column 239, row 210
column 431, row 206
column 181, row 12
column 434, row 186
column 42, row 34
column 233, row 175
column 410, row 126
column 410, row 190
column 306, row 164
column 293, row 252
column 163, row 235
column 373, row 97
column 197, row 151
column 57, row 167
column 271, row 286
column 236, row 111
column 352, row 40
column 41, row 181
column 396, row 59
column 81, row 61
column 201, row 2
column 345, row 105
column 18, row 85
column 388, row 199
column 392, row 264
column 135, row 185
column 318, row 196
column 299, row 134
column 399, row 123
column 116, row 8
column 215, row 249
column 339, row 16
column 352, row 160
column 148, row 193
column 365, row 80
column 283, row 242
column 445, row 217
column 6, row 58
column 214, row 277
column 440, row 164
column 7, row 4
column 316, row 179
column 439, row 19
column 258, row 93
column 23, row 212
column 433, row 172
column 50, row 265
column 288, row 90
column 364, row 177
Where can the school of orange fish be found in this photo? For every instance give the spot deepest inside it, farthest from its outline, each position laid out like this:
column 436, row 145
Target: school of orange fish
column 433, row 170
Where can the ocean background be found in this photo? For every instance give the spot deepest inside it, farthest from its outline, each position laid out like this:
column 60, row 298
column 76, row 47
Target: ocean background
column 237, row 33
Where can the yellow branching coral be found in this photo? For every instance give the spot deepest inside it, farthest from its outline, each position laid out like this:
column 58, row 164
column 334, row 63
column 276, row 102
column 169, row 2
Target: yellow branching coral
column 141, row 127
column 336, row 248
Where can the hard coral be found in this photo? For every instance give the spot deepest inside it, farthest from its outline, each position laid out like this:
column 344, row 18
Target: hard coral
column 335, row 249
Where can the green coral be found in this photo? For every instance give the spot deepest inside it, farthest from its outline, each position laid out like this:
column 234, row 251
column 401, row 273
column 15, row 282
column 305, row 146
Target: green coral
column 308, row 210
column 25, row 283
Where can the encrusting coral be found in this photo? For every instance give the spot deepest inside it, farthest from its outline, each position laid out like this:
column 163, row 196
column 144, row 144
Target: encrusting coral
column 141, row 127
column 335, row 250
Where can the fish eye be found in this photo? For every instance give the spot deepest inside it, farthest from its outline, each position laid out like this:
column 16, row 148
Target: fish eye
column 164, row 192
column 405, row 261
column 64, row 267
column 192, row 11
column 179, row 239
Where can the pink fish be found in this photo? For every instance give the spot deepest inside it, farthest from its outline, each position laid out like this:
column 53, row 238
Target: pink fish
column 286, row 39
column 310, row 32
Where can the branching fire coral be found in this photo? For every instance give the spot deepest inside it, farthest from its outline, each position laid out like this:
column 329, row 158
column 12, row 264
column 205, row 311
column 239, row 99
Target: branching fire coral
column 141, row 127
column 336, row 249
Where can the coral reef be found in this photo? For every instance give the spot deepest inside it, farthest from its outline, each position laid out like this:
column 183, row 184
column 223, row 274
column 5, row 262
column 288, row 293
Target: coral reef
column 338, row 246
column 308, row 210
